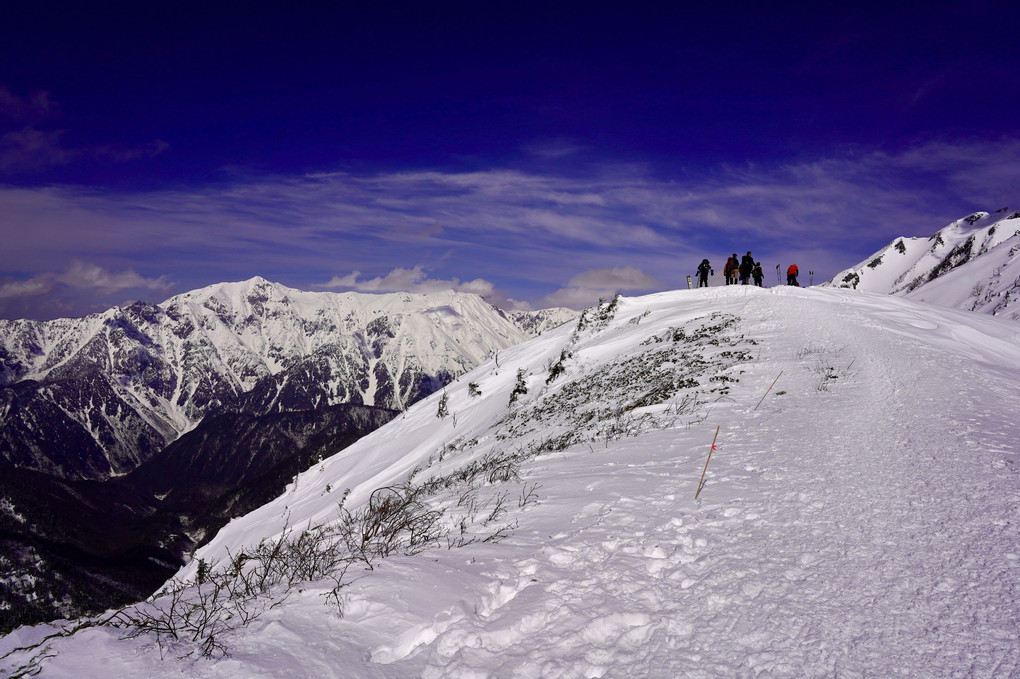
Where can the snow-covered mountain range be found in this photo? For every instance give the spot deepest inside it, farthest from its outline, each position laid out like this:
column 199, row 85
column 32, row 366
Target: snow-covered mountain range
column 126, row 437
column 95, row 396
column 973, row 264
column 730, row 481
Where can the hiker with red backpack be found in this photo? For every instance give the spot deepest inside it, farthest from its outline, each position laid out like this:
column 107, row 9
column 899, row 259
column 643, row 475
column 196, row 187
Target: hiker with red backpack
column 731, row 269
column 791, row 275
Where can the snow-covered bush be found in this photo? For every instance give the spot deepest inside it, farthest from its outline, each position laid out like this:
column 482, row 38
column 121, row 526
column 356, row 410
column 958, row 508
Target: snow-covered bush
column 520, row 387
column 193, row 617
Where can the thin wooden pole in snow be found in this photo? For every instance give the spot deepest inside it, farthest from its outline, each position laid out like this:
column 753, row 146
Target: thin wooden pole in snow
column 702, row 481
column 769, row 389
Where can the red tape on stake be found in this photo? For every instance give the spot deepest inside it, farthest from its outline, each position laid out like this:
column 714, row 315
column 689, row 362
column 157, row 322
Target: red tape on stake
column 701, row 483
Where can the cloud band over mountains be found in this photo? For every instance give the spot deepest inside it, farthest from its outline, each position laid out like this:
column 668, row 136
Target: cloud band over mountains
column 520, row 237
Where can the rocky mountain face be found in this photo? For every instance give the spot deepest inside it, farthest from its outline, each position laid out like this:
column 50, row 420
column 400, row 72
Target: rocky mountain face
column 973, row 264
column 232, row 463
column 70, row 545
column 94, row 397
column 534, row 323
column 128, row 437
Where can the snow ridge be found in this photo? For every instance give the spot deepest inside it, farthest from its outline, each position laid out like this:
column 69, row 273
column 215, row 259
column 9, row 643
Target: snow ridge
column 860, row 521
column 970, row 264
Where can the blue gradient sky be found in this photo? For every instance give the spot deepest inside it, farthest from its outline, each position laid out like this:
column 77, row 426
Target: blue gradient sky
column 536, row 155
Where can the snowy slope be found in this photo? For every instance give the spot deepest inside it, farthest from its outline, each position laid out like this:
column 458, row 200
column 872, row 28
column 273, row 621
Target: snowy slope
column 988, row 284
column 970, row 264
column 858, row 517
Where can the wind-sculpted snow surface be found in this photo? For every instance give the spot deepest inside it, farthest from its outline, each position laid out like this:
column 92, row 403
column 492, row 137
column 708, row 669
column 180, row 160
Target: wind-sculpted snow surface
column 858, row 515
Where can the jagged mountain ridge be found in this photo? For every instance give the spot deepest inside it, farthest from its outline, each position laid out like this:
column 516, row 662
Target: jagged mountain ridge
column 970, row 264
column 117, row 387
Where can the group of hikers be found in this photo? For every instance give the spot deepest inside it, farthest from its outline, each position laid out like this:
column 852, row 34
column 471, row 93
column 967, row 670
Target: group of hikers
column 742, row 271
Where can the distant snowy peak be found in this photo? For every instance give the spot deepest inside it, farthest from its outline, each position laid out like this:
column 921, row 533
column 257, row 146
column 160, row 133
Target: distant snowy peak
column 534, row 323
column 970, row 264
column 258, row 299
column 281, row 325
column 124, row 383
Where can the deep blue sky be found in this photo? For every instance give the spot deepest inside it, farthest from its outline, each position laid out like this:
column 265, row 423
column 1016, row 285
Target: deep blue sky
column 538, row 153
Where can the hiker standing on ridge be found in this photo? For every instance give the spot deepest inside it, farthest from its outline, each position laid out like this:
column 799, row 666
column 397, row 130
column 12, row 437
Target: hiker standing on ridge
column 746, row 266
column 791, row 275
column 757, row 274
column 730, row 270
column 703, row 270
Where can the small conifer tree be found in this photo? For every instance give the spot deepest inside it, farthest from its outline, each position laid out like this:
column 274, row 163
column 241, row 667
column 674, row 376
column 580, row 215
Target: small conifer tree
column 520, row 388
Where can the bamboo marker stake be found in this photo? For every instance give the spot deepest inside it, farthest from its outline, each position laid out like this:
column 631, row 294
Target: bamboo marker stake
column 769, row 389
column 702, row 481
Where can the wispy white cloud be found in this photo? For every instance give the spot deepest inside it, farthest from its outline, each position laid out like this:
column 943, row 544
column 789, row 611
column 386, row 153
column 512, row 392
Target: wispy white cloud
column 617, row 277
column 983, row 172
column 84, row 275
column 29, row 150
column 555, row 149
column 34, row 106
column 589, row 286
column 524, row 238
column 81, row 287
column 124, row 154
column 406, row 280
column 33, row 147
column 40, row 284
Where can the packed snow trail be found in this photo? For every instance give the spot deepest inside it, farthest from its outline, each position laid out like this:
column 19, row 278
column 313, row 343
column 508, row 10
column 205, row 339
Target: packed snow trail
column 861, row 522
column 854, row 540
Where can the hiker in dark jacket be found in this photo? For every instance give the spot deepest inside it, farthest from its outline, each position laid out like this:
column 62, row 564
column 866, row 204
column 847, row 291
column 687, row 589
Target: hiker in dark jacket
column 703, row 270
column 757, row 274
column 746, row 266
column 791, row 275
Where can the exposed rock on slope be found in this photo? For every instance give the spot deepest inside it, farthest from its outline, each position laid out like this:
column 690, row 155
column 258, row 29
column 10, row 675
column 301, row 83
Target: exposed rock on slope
column 972, row 264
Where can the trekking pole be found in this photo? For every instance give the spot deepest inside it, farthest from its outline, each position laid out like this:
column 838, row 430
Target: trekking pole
column 701, row 483
column 778, row 279
column 811, row 277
